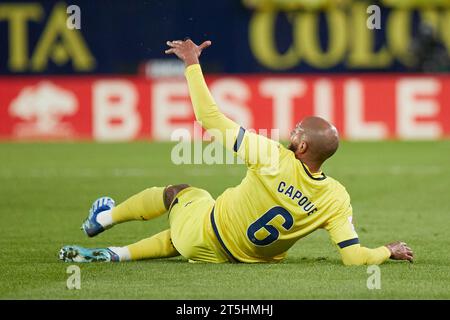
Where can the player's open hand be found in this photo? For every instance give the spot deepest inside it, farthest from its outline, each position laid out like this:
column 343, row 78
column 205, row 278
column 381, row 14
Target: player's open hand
column 400, row 251
column 187, row 50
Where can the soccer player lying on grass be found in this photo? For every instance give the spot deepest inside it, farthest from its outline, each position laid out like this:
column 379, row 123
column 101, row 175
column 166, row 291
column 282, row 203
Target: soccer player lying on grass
column 283, row 197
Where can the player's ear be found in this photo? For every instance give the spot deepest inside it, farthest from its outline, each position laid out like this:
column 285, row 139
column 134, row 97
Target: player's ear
column 302, row 147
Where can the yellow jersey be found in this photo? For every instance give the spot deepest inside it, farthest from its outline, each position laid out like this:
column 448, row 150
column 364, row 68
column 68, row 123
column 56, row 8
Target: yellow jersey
column 267, row 213
column 279, row 201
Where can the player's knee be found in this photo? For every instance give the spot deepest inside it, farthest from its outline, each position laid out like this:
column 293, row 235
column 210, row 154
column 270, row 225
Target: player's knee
column 171, row 192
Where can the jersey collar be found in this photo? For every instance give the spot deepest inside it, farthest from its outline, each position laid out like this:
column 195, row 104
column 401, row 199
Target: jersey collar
column 318, row 178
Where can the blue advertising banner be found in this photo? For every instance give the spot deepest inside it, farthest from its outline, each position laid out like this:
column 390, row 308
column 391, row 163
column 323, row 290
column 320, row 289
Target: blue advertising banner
column 297, row 36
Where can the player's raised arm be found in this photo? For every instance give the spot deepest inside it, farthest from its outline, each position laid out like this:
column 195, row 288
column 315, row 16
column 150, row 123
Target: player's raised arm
column 205, row 108
column 256, row 150
column 342, row 234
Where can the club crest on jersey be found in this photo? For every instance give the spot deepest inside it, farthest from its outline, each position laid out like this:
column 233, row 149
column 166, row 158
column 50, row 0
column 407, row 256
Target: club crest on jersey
column 296, row 195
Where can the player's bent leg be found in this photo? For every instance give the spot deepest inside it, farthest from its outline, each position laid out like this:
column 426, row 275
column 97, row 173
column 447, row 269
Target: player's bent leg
column 145, row 205
column 158, row 246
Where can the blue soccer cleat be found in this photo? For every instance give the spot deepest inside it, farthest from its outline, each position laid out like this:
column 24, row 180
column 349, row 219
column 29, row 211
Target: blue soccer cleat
column 80, row 254
column 91, row 226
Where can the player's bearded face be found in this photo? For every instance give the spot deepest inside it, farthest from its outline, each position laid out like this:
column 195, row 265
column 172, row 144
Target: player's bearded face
column 293, row 145
column 295, row 138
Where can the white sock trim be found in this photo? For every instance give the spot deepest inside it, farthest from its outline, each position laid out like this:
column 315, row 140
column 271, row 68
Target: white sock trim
column 105, row 218
column 123, row 253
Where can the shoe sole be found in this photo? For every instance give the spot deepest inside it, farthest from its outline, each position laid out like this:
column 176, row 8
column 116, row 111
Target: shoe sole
column 72, row 254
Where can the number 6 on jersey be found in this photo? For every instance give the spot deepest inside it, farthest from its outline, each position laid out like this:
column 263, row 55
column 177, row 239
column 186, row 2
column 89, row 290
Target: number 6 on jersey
column 263, row 221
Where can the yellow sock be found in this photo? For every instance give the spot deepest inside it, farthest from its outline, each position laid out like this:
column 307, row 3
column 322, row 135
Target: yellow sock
column 157, row 246
column 145, row 205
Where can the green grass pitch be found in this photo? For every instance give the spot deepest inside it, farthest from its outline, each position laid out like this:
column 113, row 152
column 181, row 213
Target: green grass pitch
column 400, row 191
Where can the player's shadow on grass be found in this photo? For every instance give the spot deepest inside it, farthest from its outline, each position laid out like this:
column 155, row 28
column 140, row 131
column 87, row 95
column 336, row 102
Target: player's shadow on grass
column 299, row 260
column 311, row 260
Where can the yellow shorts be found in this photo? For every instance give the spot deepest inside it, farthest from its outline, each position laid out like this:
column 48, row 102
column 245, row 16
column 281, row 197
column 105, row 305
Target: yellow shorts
column 190, row 227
